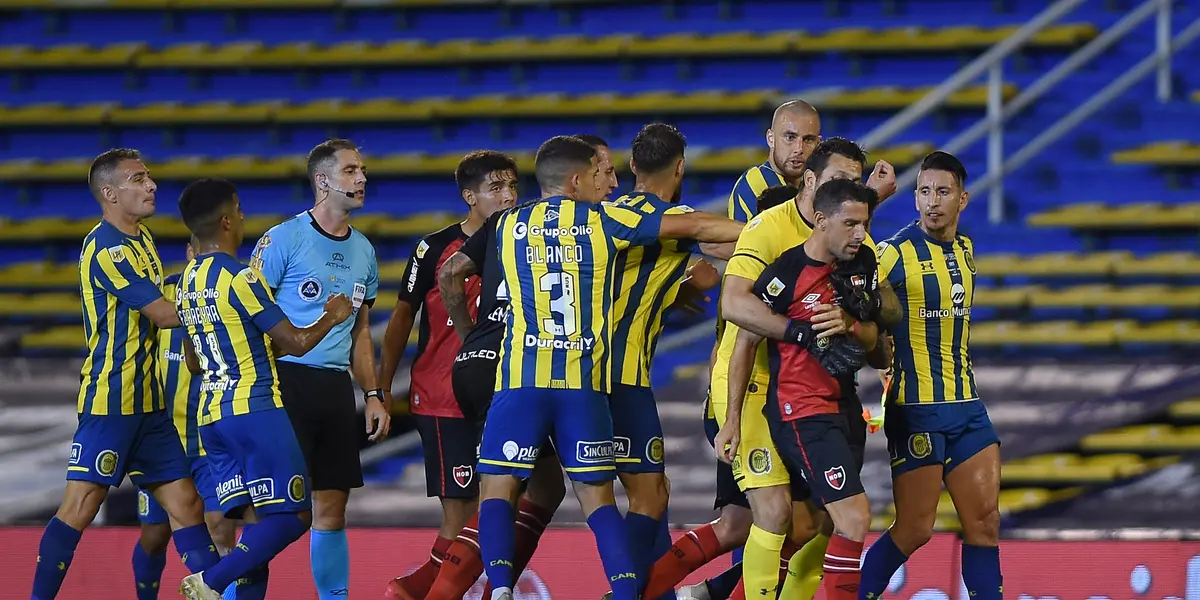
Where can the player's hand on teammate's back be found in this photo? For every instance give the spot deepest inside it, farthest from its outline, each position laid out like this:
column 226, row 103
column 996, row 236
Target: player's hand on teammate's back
column 703, row 275
column 379, row 420
column 883, row 180
column 338, row 306
column 831, row 320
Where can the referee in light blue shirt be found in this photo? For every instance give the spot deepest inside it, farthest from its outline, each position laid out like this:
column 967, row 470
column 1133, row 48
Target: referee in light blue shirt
column 304, row 260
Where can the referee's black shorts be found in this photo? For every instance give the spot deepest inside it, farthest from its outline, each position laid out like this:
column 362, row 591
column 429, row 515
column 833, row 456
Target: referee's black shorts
column 324, row 414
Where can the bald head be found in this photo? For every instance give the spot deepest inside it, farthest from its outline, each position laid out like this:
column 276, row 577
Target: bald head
column 794, row 108
column 795, row 131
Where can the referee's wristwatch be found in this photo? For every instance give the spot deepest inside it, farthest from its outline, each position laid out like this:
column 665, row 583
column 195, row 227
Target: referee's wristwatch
column 376, row 393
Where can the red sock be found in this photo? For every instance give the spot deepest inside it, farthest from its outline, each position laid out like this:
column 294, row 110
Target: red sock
column 842, row 574
column 694, row 550
column 789, row 549
column 531, row 524
column 461, row 567
column 739, row 592
column 418, row 582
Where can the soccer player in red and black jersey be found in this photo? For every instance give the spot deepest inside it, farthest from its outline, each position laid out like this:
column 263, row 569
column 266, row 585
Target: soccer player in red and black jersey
column 487, row 181
column 808, row 427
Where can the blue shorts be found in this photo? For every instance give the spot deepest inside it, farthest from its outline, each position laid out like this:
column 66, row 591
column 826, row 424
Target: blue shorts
column 637, row 430
column 146, row 447
column 945, row 434
column 521, row 420
column 255, row 459
column 151, row 512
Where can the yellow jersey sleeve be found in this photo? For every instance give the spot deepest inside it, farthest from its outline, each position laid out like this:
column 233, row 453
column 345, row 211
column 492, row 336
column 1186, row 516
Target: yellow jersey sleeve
column 761, row 242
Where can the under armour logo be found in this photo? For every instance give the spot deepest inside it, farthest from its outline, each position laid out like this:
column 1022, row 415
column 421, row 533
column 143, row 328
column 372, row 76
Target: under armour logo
column 341, row 592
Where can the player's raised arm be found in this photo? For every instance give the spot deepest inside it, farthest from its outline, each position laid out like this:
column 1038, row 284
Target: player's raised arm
column 452, row 283
column 115, row 273
column 699, row 226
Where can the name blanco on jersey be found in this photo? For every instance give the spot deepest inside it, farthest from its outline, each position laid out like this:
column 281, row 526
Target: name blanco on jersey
column 554, row 254
column 581, row 344
column 200, row 315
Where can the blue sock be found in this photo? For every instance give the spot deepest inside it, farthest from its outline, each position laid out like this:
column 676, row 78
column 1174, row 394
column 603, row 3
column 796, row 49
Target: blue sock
column 605, row 523
column 497, row 522
column 721, row 587
column 196, row 547
column 329, row 552
column 981, row 572
column 737, row 554
column 147, row 572
column 231, row 591
column 251, row 586
column 878, row 566
column 662, row 545
column 269, row 537
column 54, row 558
column 641, row 532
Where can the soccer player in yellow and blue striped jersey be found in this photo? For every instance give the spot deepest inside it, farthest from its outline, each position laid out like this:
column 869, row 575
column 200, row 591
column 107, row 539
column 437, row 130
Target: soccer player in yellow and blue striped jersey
column 647, row 282
column 794, row 133
column 123, row 427
column 937, row 427
column 232, row 325
column 181, row 393
column 557, row 257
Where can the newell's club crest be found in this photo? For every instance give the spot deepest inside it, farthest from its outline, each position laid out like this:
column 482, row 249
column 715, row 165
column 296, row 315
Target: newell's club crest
column 462, row 475
column 836, row 477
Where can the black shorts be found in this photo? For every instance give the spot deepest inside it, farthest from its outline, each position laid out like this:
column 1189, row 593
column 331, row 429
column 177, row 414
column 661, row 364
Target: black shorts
column 728, row 492
column 474, row 382
column 818, row 447
column 325, row 417
column 856, row 430
column 450, row 448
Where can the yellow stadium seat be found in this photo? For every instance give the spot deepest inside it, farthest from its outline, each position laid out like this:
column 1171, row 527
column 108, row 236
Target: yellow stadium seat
column 894, row 98
column 415, row 225
column 200, row 55
column 1176, row 153
column 72, row 56
column 1005, row 296
column 56, row 338
column 39, row 274
column 1107, row 295
column 1144, row 215
column 1050, row 264
column 1186, row 410
column 1153, row 439
column 1072, row 469
column 55, row 114
column 41, row 305
column 1167, row 332
column 1167, row 264
column 1046, row 333
column 175, row 113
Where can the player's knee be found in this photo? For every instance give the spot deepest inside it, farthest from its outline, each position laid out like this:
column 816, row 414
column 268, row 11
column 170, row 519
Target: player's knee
column 982, row 529
column 546, row 486
column 222, row 530
column 648, row 494
column 81, row 503
column 853, row 524
column 329, row 510
column 773, row 514
column 154, row 538
column 733, row 528
column 910, row 536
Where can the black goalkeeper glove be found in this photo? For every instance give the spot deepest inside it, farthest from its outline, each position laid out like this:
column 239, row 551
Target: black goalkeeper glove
column 839, row 355
column 855, row 297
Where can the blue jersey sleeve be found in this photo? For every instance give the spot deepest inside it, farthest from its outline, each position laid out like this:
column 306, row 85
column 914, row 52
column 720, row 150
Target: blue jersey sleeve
column 270, row 259
column 118, row 276
column 629, row 227
column 252, row 291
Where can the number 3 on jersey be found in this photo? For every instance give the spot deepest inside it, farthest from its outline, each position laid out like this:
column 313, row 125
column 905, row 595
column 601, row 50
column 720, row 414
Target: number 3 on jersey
column 215, row 348
column 563, row 306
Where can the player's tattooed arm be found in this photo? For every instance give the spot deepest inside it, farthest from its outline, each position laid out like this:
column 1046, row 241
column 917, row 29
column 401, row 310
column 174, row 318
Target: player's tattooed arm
column 892, row 312
column 452, row 283
column 881, row 356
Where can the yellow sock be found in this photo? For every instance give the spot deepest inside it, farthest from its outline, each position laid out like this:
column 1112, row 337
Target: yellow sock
column 760, row 563
column 805, row 569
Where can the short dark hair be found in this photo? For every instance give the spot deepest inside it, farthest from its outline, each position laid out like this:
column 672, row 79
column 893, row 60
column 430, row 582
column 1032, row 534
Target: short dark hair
column 774, row 196
column 200, row 205
column 840, row 146
column 944, row 161
column 559, row 158
column 475, row 166
column 322, row 154
column 656, row 147
column 594, row 141
column 103, row 166
column 833, row 194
